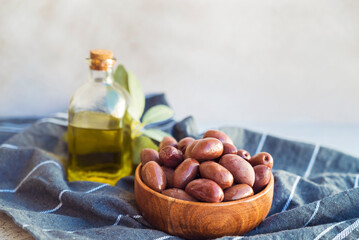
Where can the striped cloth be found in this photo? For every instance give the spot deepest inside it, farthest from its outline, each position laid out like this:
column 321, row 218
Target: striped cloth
column 316, row 194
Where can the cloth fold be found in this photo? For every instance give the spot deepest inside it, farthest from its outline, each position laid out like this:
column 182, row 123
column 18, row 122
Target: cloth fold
column 316, row 192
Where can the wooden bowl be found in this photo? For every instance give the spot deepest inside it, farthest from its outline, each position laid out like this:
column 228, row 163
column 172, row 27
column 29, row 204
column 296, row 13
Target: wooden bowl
column 199, row 220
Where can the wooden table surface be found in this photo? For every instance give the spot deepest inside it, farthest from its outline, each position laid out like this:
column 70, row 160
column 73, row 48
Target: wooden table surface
column 9, row 230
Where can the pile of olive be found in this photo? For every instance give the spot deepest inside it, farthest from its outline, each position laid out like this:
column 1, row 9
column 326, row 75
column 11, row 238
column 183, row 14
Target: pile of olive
column 207, row 170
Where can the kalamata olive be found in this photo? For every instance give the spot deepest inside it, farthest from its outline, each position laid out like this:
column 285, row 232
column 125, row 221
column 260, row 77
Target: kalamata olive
column 216, row 172
column 237, row 192
column 262, row 173
column 229, row 149
column 241, row 170
column 179, row 194
column 262, row 158
column 167, row 141
column 148, row 154
column 171, row 156
column 185, row 172
column 219, row 135
column 205, row 190
column 153, row 176
column 184, row 142
column 244, row 154
column 189, row 148
column 169, row 176
column 205, row 149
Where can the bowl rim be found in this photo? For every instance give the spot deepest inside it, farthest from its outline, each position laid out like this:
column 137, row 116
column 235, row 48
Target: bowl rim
column 220, row 204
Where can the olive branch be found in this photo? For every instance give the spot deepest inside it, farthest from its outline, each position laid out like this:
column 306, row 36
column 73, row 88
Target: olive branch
column 141, row 132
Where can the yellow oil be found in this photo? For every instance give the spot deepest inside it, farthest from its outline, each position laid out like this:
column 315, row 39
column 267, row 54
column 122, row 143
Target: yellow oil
column 99, row 148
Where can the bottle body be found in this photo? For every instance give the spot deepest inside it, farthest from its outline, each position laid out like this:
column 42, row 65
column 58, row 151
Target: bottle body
column 98, row 131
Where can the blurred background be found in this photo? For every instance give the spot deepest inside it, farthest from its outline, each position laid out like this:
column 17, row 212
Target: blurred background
column 284, row 67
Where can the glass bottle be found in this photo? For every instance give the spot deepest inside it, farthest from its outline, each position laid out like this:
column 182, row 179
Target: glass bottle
column 98, row 130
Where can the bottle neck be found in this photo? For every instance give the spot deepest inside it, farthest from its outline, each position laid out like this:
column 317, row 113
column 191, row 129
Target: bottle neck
column 101, row 76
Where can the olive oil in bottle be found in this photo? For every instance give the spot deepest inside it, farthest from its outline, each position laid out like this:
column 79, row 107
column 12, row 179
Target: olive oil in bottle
column 98, row 130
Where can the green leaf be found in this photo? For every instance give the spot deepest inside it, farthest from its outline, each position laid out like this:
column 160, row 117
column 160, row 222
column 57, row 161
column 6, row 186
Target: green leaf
column 138, row 144
column 137, row 104
column 130, row 83
column 155, row 134
column 120, row 76
column 157, row 113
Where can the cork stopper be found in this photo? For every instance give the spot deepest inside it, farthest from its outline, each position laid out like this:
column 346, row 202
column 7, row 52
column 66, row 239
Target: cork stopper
column 101, row 54
column 101, row 59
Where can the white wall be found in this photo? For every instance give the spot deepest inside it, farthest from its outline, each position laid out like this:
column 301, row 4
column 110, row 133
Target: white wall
column 221, row 61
